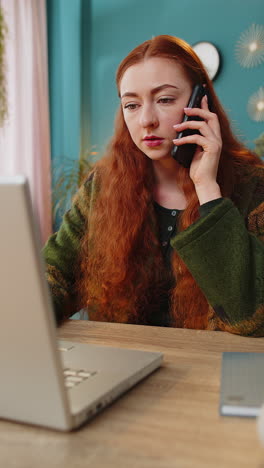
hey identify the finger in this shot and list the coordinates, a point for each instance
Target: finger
(200, 125)
(210, 146)
(205, 114)
(196, 139)
(204, 103)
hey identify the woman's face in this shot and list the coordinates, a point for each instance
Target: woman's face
(153, 95)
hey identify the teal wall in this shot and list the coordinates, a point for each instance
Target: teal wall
(64, 19)
(117, 26)
(69, 77)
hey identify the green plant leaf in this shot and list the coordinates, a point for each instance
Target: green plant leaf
(67, 179)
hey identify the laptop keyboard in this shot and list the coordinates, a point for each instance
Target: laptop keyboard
(75, 377)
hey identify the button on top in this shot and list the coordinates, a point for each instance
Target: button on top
(164, 243)
(170, 228)
(173, 213)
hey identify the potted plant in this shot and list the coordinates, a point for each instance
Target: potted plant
(66, 180)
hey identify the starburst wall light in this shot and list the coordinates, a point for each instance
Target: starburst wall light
(249, 50)
(256, 105)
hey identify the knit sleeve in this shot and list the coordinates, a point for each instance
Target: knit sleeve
(226, 258)
(61, 254)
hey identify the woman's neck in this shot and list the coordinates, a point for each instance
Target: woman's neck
(167, 191)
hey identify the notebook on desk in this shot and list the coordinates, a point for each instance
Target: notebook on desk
(242, 384)
(45, 382)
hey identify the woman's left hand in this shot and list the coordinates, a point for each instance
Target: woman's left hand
(204, 166)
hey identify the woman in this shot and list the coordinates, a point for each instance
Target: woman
(148, 241)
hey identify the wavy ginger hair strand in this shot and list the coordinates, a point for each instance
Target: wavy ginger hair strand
(122, 239)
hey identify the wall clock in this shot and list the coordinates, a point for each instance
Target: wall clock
(209, 55)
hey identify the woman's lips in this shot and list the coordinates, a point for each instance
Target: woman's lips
(154, 141)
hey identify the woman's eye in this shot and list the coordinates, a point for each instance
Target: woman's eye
(130, 106)
(166, 100)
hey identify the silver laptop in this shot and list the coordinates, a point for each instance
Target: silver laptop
(242, 384)
(54, 384)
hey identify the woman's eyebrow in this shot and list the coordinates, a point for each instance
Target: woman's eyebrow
(153, 91)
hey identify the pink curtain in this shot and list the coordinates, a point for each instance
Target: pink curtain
(25, 139)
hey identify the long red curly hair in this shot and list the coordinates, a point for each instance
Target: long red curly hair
(123, 273)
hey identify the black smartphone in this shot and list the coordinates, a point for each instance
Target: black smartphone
(184, 154)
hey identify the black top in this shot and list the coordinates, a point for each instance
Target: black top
(167, 220)
(167, 223)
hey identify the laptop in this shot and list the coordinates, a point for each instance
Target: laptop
(45, 382)
(242, 384)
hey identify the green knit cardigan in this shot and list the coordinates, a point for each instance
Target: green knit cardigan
(223, 250)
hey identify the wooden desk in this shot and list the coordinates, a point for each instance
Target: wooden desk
(169, 420)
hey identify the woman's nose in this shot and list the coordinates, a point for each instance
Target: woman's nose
(148, 117)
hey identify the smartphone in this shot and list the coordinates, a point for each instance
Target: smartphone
(184, 154)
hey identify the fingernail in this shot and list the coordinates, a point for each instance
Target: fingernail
(176, 125)
(186, 108)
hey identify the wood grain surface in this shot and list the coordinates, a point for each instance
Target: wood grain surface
(170, 419)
